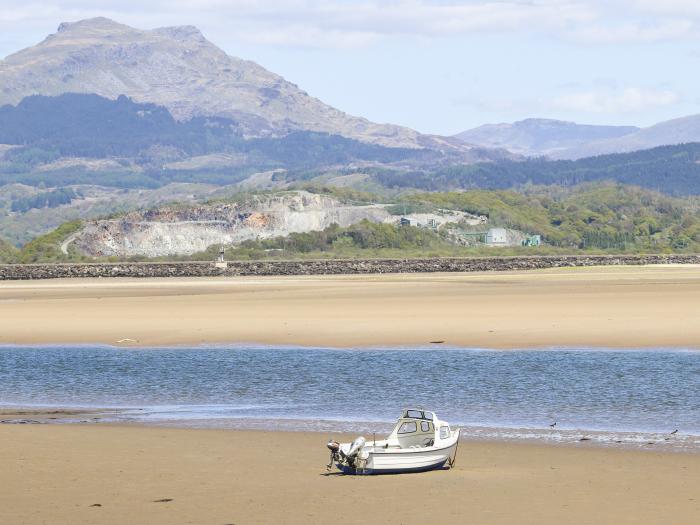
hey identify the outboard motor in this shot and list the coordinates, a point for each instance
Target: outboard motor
(351, 455)
(356, 447)
(345, 458)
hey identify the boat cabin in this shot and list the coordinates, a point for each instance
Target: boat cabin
(417, 428)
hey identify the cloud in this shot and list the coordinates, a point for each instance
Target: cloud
(636, 32)
(321, 23)
(681, 8)
(361, 23)
(629, 100)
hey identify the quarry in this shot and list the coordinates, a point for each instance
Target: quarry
(185, 230)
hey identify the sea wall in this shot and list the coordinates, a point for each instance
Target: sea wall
(328, 267)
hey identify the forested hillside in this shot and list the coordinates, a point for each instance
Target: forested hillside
(605, 216)
(145, 137)
(8, 253)
(670, 169)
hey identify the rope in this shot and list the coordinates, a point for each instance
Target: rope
(453, 460)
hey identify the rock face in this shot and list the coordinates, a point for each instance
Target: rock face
(541, 137)
(187, 230)
(178, 68)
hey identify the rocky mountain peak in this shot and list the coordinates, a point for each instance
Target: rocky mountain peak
(93, 25)
(176, 67)
(181, 33)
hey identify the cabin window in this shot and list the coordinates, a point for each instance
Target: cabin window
(414, 413)
(425, 426)
(444, 432)
(407, 427)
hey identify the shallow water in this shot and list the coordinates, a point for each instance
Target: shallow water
(607, 396)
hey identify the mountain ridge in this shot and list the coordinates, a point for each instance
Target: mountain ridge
(562, 140)
(178, 68)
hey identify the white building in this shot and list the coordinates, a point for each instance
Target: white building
(497, 237)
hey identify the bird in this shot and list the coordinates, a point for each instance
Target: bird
(674, 432)
(553, 425)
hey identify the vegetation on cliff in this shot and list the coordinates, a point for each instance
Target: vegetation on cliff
(8, 253)
(365, 239)
(47, 248)
(601, 216)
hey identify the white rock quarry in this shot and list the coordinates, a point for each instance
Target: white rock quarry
(184, 231)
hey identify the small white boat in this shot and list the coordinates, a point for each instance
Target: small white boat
(418, 443)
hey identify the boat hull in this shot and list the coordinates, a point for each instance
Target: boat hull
(404, 461)
(398, 470)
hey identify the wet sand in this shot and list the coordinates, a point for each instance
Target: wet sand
(85, 474)
(650, 306)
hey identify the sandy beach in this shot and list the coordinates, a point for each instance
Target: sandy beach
(605, 306)
(71, 474)
(108, 474)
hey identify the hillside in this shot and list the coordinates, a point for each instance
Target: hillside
(541, 137)
(591, 216)
(67, 132)
(8, 253)
(601, 217)
(674, 170)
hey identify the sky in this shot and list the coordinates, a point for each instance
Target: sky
(437, 66)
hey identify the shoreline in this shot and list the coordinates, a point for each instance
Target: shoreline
(603, 307)
(634, 440)
(257, 346)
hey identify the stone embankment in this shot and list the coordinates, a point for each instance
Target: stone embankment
(328, 267)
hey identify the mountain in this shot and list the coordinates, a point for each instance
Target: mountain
(569, 141)
(541, 137)
(180, 70)
(677, 131)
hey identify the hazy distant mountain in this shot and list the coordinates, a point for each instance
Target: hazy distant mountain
(678, 131)
(538, 137)
(177, 68)
(566, 140)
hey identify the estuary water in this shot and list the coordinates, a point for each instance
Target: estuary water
(611, 396)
